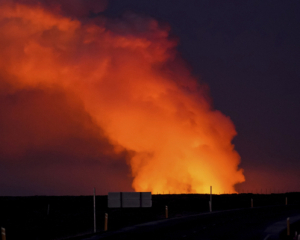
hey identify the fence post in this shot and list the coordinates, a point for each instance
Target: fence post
(286, 201)
(251, 202)
(48, 210)
(210, 204)
(167, 212)
(3, 234)
(105, 221)
(94, 200)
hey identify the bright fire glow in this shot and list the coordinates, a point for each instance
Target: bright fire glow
(130, 80)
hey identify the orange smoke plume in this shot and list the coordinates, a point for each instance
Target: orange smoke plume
(129, 79)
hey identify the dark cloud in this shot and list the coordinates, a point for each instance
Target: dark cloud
(49, 145)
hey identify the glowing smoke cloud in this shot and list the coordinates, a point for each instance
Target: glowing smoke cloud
(131, 82)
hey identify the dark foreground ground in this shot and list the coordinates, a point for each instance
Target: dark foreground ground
(259, 223)
(28, 218)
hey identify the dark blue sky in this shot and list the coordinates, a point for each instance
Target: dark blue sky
(248, 52)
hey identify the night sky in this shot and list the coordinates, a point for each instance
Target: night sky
(248, 54)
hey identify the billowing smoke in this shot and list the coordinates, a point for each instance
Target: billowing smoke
(112, 91)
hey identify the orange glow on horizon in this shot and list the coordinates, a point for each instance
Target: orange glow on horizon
(134, 87)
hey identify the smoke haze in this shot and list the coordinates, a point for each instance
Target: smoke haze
(104, 102)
